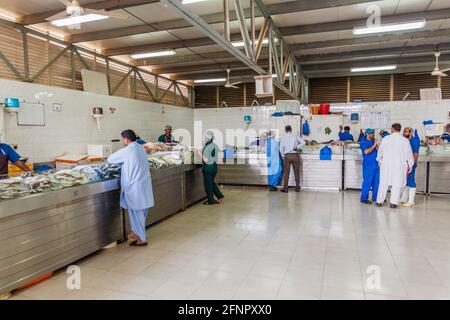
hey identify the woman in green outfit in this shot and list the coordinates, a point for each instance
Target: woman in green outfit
(209, 169)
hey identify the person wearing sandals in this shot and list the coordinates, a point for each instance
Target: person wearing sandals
(209, 156)
(136, 194)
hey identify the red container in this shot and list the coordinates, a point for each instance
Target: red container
(324, 109)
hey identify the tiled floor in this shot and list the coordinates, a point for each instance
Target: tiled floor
(268, 245)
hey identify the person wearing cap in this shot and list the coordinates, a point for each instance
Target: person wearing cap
(167, 137)
(396, 161)
(136, 194)
(409, 192)
(210, 154)
(346, 135)
(371, 171)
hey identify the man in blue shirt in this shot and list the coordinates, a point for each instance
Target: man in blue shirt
(345, 136)
(7, 153)
(409, 192)
(371, 170)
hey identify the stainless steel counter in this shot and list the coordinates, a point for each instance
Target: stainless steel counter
(44, 232)
(439, 174)
(243, 171)
(193, 186)
(314, 173)
(319, 174)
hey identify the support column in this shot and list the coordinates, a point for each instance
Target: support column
(348, 89)
(25, 54)
(391, 88)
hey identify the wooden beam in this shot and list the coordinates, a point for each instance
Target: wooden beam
(10, 66)
(82, 60)
(101, 5)
(165, 92)
(48, 65)
(198, 42)
(121, 81)
(204, 67)
(262, 35)
(146, 86)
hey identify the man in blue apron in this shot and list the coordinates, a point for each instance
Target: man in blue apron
(7, 153)
(371, 171)
(409, 192)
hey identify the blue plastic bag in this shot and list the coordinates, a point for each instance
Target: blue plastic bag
(325, 153)
(306, 129)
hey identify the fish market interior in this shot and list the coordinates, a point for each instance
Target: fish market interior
(224, 150)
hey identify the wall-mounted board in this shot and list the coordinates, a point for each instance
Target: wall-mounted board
(31, 114)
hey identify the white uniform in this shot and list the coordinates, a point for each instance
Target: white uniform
(136, 185)
(395, 157)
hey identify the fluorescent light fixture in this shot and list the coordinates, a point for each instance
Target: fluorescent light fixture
(191, 1)
(210, 80)
(78, 19)
(402, 26)
(379, 68)
(287, 75)
(153, 54)
(239, 44)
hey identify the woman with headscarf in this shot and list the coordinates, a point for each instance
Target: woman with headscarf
(209, 156)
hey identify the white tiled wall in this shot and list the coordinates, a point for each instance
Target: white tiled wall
(69, 131)
(222, 119)
(408, 113)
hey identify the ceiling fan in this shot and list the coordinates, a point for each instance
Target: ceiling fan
(73, 8)
(228, 84)
(437, 72)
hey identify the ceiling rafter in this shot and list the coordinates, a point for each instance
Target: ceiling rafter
(273, 9)
(286, 31)
(315, 59)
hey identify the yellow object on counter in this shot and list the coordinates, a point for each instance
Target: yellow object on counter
(14, 171)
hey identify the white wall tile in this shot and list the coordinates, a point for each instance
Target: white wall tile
(70, 130)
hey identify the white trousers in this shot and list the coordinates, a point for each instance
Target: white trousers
(396, 193)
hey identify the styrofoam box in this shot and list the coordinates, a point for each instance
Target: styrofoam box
(100, 150)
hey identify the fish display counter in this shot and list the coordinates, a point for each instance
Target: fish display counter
(439, 169)
(244, 168)
(353, 168)
(50, 220)
(320, 174)
(45, 230)
(249, 167)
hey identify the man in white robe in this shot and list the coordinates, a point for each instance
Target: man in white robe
(396, 161)
(136, 193)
